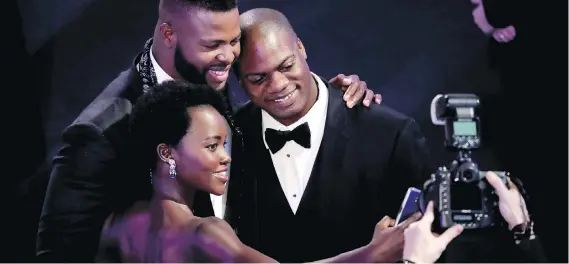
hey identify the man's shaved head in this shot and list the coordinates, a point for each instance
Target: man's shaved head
(265, 21)
(264, 24)
(273, 68)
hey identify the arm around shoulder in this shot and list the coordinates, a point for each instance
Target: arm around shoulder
(76, 202)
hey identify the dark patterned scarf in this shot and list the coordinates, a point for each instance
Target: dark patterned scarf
(145, 68)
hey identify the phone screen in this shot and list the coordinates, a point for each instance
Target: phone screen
(409, 205)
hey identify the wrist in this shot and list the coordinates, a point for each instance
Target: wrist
(369, 254)
(517, 219)
(373, 253)
(517, 222)
(523, 231)
(410, 258)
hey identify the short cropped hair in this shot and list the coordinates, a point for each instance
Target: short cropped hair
(209, 5)
(161, 116)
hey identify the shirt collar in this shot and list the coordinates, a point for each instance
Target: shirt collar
(161, 75)
(312, 117)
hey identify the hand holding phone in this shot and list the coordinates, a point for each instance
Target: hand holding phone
(409, 205)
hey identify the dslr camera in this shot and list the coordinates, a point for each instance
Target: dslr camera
(460, 192)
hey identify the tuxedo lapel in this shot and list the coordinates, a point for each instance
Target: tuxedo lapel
(326, 178)
(134, 83)
(260, 158)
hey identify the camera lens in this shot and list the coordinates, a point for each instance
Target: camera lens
(468, 175)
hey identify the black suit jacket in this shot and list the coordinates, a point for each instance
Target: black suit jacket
(84, 174)
(367, 160)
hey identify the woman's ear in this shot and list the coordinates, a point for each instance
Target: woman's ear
(164, 152)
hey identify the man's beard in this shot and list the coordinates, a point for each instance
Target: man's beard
(186, 70)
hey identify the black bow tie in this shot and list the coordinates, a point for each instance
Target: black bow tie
(277, 139)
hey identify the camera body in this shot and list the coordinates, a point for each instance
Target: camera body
(461, 195)
(460, 192)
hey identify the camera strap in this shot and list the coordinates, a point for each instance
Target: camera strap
(520, 186)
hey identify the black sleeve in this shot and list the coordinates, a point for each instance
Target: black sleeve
(77, 198)
(410, 164)
(532, 251)
(412, 157)
(503, 13)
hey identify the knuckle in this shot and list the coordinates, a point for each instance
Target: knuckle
(401, 228)
(411, 227)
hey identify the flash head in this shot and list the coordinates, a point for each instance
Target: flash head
(457, 112)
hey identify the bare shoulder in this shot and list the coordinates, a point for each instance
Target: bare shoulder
(213, 225)
(215, 238)
(127, 233)
(137, 216)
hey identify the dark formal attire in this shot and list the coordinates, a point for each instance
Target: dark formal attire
(78, 198)
(92, 175)
(366, 160)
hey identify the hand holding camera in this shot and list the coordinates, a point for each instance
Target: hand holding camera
(423, 246)
(510, 202)
(462, 193)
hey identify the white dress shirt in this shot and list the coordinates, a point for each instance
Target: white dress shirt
(293, 163)
(218, 202)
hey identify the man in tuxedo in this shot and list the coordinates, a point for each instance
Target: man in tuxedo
(313, 177)
(194, 40)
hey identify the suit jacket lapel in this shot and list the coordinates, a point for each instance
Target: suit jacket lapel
(326, 176)
(259, 168)
(261, 162)
(134, 88)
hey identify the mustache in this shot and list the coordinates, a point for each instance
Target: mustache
(219, 66)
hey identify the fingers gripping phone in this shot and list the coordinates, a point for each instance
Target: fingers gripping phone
(409, 205)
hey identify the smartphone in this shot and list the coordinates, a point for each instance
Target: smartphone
(409, 205)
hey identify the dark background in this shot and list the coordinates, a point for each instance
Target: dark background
(62, 53)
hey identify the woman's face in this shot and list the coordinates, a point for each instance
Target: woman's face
(201, 159)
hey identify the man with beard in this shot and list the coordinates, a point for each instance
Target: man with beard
(194, 40)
